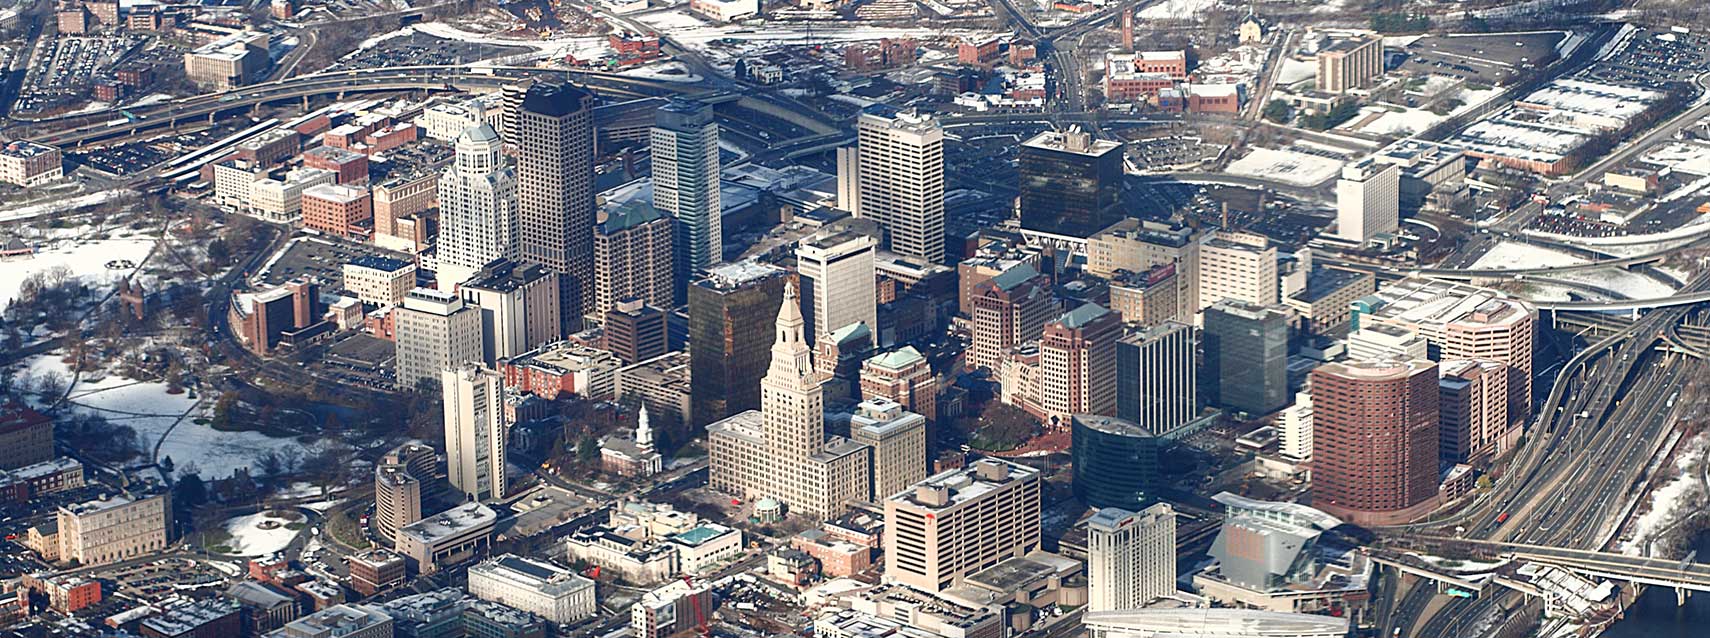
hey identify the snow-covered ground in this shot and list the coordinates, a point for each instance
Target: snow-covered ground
(94, 262)
(1414, 120)
(1631, 284)
(166, 419)
(1177, 9)
(667, 71)
(1300, 169)
(1512, 254)
(1683, 492)
(57, 205)
(261, 534)
(1296, 70)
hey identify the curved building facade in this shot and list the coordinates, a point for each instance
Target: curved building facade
(1115, 462)
(405, 477)
(1375, 440)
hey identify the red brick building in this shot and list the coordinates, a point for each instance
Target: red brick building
(981, 53)
(338, 209)
(26, 437)
(1375, 440)
(351, 166)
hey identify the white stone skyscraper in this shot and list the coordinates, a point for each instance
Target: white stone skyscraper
(838, 281)
(477, 208)
(684, 144)
(782, 450)
(900, 179)
(475, 430)
(1131, 557)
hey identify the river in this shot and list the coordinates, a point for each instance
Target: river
(1656, 616)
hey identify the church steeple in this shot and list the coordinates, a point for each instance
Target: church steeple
(643, 431)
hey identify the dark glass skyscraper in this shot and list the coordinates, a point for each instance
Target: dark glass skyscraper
(1246, 357)
(1071, 184)
(1115, 462)
(731, 316)
(1155, 384)
(553, 131)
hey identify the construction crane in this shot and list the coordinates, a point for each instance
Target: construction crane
(695, 601)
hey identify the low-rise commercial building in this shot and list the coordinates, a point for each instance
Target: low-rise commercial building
(537, 587)
(114, 528)
(448, 537)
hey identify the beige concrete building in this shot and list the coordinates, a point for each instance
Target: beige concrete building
(838, 281)
(960, 522)
(1349, 64)
(1368, 200)
(475, 431)
(1240, 266)
(25, 163)
(1134, 246)
(905, 377)
(518, 305)
(900, 180)
(782, 450)
(540, 588)
(228, 62)
(897, 438)
(446, 538)
(114, 528)
(1131, 557)
(632, 257)
(381, 281)
(434, 331)
(662, 384)
(281, 200)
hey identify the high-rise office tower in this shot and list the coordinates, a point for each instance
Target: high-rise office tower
(1239, 266)
(1131, 557)
(553, 127)
(1375, 440)
(477, 208)
(1009, 309)
(959, 522)
(1077, 362)
(1156, 387)
(1368, 200)
(1246, 357)
(1500, 330)
(786, 455)
(632, 257)
(475, 430)
(1115, 461)
(1071, 184)
(838, 282)
(1296, 442)
(518, 304)
(1472, 407)
(730, 337)
(897, 438)
(433, 331)
(900, 155)
(684, 144)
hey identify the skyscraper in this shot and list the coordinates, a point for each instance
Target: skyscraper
(635, 332)
(475, 430)
(1156, 387)
(1375, 440)
(1240, 266)
(433, 331)
(1131, 557)
(632, 257)
(904, 376)
(477, 208)
(1368, 200)
(518, 304)
(684, 144)
(553, 127)
(1246, 357)
(1070, 184)
(1077, 361)
(838, 282)
(784, 453)
(897, 439)
(730, 337)
(1008, 310)
(900, 181)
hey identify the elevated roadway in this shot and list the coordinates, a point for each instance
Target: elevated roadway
(93, 127)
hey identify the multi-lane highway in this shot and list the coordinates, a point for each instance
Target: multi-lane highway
(1597, 431)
